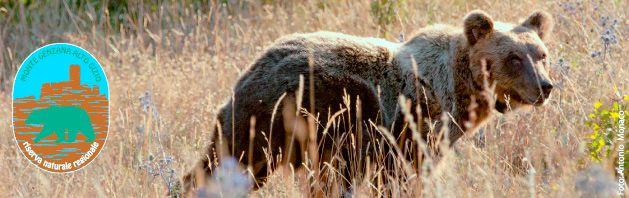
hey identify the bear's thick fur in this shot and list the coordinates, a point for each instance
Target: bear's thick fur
(453, 68)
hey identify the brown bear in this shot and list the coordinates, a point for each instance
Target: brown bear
(442, 69)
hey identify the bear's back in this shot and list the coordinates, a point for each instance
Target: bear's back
(329, 49)
(65, 112)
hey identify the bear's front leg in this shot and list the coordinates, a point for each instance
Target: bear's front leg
(61, 134)
(45, 132)
(71, 135)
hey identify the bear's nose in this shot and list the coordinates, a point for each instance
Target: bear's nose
(546, 87)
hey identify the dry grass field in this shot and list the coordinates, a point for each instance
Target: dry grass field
(171, 64)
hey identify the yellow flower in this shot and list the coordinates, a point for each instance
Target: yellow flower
(598, 104)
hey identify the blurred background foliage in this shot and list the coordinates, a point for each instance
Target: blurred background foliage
(26, 25)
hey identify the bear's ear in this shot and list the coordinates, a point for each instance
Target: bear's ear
(477, 25)
(540, 21)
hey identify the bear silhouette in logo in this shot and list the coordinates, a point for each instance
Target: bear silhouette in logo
(58, 119)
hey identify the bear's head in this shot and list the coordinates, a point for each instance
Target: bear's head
(35, 117)
(514, 56)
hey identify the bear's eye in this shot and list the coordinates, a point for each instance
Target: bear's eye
(516, 62)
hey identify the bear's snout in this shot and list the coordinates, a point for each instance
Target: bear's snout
(546, 88)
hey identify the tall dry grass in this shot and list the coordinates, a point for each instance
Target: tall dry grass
(171, 64)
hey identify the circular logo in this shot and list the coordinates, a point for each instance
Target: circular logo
(60, 108)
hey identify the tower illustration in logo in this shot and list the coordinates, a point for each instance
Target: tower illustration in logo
(60, 122)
